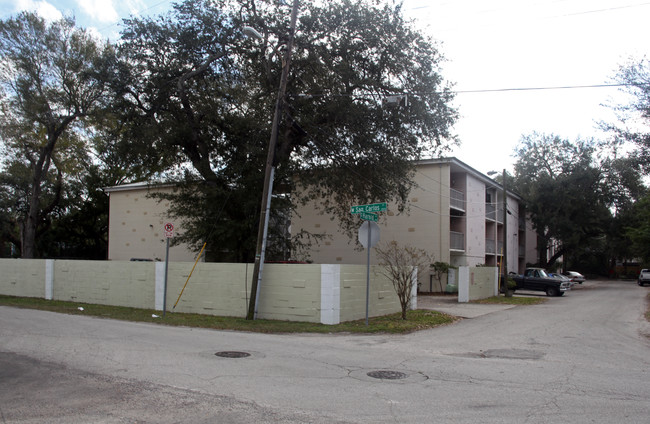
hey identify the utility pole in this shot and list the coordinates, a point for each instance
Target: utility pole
(506, 291)
(270, 170)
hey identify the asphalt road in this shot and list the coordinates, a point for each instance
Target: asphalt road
(581, 358)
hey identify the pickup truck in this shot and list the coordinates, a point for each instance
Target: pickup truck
(644, 277)
(538, 279)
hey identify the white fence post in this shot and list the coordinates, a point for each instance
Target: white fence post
(49, 279)
(330, 294)
(414, 289)
(463, 284)
(160, 285)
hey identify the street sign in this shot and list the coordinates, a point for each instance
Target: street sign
(368, 234)
(369, 216)
(375, 207)
(169, 230)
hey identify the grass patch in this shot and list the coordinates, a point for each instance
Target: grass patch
(519, 300)
(416, 320)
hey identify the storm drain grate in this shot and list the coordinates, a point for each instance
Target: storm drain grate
(387, 375)
(232, 354)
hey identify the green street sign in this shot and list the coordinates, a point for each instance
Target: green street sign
(375, 207)
(369, 216)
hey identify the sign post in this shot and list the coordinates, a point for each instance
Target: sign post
(368, 235)
(169, 233)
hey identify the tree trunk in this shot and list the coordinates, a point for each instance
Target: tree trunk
(29, 231)
(556, 256)
(41, 167)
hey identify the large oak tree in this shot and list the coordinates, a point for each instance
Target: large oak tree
(573, 194)
(365, 97)
(53, 76)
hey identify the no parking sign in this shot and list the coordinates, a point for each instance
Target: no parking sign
(169, 230)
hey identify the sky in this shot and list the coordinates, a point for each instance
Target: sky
(505, 58)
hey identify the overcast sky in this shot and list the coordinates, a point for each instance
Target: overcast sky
(504, 56)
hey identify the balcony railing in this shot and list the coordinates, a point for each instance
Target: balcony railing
(490, 211)
(457, 199)
(490, 247)
(494, 212)
(456, 241)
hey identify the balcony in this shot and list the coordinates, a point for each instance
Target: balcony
(456, 241)
(490, 247)
(457, 199)
(494, 212)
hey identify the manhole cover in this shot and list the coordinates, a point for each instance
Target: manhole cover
(232, 354)
(387, 375)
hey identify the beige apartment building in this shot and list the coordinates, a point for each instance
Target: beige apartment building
(455, 213)
(136, 225)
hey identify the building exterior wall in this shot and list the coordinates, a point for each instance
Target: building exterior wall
(532, 254)
(512, 237)
(425, 226)
(136, 225)
(476, 226)
(429, 220)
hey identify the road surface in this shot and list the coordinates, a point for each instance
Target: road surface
(581, 358)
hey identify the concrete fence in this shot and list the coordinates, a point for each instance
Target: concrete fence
(327, 294)
(477, 283)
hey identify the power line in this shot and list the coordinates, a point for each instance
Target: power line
(559, 87)
(560, 15)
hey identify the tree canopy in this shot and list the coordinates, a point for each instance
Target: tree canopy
(572, 195)
(195, 95)
(634, 117)
(52, 76)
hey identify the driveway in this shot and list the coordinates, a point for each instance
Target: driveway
(449, 305)
(581, 358)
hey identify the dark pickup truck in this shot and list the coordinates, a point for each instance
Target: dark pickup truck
(537, 279)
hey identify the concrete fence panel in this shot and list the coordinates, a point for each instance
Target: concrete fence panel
(382, 299)
(118, 283)
(329, 294)
(291, 290)
(213, 289)
(21, 277)
(476, 283)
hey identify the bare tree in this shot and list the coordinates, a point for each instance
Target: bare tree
(399, 263)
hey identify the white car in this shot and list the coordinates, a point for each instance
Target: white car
(576, 277)
(644, 277)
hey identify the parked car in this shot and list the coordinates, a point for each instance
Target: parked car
(538, 279)
(575, 276)
(644, 277)
(562, 278)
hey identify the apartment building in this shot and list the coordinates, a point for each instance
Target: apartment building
(136, 225)
(455, 213)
